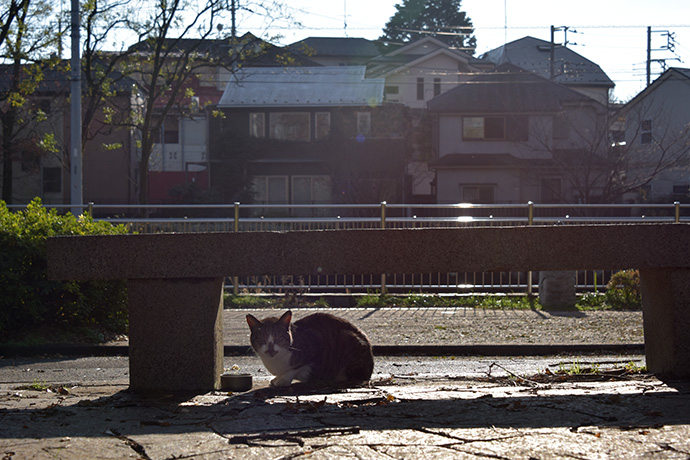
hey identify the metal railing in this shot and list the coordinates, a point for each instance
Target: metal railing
(239, 217)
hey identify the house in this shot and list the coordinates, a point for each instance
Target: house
(303, 135)
(567, 67)
(178, 169)
(37, 154)
(653, 140)
(511, 136)
(415, 73)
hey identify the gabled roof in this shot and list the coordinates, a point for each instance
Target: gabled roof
(302, 86)
(534, 55)
(413, 54)
(507, 89)
(359, 49)
(673, 72)
(254, 51)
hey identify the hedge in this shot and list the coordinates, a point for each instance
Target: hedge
(29, 300)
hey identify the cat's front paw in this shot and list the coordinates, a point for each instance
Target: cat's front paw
(281, 381)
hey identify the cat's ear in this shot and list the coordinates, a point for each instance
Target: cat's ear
(285, 319)
(253, 322)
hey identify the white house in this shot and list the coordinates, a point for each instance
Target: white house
(654, 141)
(511, 136)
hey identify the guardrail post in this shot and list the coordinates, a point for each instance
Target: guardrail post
(236, 228)
(530, 221)
(676, 204)
(383, 226)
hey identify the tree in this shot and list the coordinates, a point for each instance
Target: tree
(441, 19)
(29, 40)
(601, 162)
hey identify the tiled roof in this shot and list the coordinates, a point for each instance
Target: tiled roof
(506, 90)
(335, 46)
(534, 55)
(302, 86)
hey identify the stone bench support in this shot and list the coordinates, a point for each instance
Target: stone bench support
(175, 281)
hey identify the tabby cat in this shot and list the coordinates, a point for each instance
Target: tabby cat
(319, 348)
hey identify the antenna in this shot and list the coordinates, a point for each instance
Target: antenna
(345, 17)
(505, 22)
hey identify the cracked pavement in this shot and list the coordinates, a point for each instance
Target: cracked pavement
(415, 408)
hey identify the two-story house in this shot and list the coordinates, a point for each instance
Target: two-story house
(554, 62)
(37, 152)
(415, 73)
(653, 141)
(305, 135)
(510, 136)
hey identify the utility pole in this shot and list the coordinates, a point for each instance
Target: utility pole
(76, 177)
(233, 28)
(649, 55)
(552, 58)
(669, 46)
(553, 54)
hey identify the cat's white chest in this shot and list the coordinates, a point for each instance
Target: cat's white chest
(278, 364)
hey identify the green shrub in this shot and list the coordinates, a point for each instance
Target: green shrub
(29, 300)
(623, 291)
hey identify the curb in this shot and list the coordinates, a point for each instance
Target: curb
(379, 350)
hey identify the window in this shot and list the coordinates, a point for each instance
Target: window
(323, 125)
(391, 92)
(682, 190)
(257, 124)
(477, 194)
(171, 131)
(52, 180)
(561, 127)
(290, 126)
(270, 189)
(478, 128)
(363, 123)
(437, 86)
(646, 132)
(420, 89)
(311, 189)
(194, 131)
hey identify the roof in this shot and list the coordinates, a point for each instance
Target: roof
(534, 55)
(249, 49)
(507, 90)
(335, 46)
(673, 72)
(412, 54)
(302, 86)
(492, 160)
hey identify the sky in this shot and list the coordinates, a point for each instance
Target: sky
(610, 33)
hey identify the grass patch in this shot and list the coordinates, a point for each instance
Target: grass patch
(585, 302)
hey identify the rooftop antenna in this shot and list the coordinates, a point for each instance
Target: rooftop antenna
(505, 22)
(345, 17)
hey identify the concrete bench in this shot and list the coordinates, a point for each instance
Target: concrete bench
(175, 281)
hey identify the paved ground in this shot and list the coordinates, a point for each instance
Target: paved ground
(416, 407)
(468, 326)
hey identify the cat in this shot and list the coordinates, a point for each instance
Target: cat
(319, 348)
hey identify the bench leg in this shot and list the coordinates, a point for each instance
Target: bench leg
(666, 314)
(175, 334)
